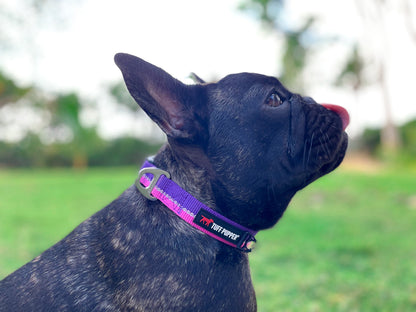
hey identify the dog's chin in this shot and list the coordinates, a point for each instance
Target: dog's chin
(336, 160)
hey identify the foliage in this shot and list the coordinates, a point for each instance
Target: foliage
(296, 54)
(267, 11)
(66, 111)
(346, 242)
(28, 152)
(64, 140)
(121, 95)
(31, 152)
(352, 72)
(123, 151)
(371, 139)
(371, 142)
(10, 91)
(408, 134)
(296, 47)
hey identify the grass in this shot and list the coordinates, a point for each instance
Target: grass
(39, 207)
(346, 243)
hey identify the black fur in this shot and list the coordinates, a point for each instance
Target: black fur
(229, 148)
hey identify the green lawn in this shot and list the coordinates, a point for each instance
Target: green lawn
(346, 243)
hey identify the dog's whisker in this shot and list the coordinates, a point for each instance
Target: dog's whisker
(305, 146)
(310, 148)
(324, 143)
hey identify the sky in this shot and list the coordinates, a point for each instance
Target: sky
(213, 39)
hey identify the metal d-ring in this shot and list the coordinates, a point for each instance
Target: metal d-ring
(147, 191)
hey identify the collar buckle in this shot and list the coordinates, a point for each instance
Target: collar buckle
(146, 191)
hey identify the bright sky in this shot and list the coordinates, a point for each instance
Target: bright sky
(212, 38)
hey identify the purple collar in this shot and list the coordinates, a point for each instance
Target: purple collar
(154, 184)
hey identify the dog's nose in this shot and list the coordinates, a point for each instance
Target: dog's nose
(342, 113)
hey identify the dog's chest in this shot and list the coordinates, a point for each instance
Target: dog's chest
(213, 287)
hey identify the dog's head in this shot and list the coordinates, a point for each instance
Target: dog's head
(259, 142)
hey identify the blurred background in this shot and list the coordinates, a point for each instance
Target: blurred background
(62, 96)
(63, 105)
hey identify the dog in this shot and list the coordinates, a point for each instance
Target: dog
(239, 149)
(204, 220)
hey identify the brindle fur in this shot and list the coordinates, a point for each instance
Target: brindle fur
(226, 147)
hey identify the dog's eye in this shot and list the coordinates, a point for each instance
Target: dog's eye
(274, 100)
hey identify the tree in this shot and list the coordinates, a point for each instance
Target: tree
(119, 93)
(20, 23)
(409, 19)
(10, 92)
(66, 111)
(365, 64)
(374, 14)
(296, 48)
(352, 72)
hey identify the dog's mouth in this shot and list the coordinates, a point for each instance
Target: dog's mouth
(343, 141)
(341, 112)
(326, 141)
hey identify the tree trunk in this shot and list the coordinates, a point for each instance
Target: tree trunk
(390, 138)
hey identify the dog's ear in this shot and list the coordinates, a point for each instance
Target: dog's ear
(170, 103)
(195, 78)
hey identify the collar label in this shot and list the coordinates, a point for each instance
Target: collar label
(218, 227)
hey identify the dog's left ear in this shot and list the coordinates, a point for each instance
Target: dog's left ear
(177, 108)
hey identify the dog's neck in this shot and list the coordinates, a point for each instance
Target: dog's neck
(155, 184)
(190, 169)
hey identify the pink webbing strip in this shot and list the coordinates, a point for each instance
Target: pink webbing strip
(184, 214)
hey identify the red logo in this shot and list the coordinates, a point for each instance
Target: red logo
(206, 221)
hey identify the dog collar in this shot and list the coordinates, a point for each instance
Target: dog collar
(155, 183)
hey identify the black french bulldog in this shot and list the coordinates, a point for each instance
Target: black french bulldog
(242, 146)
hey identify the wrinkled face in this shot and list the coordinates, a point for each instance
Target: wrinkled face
(265, 138)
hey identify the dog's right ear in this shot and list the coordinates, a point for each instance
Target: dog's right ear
(195, 78)
(174, 106)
